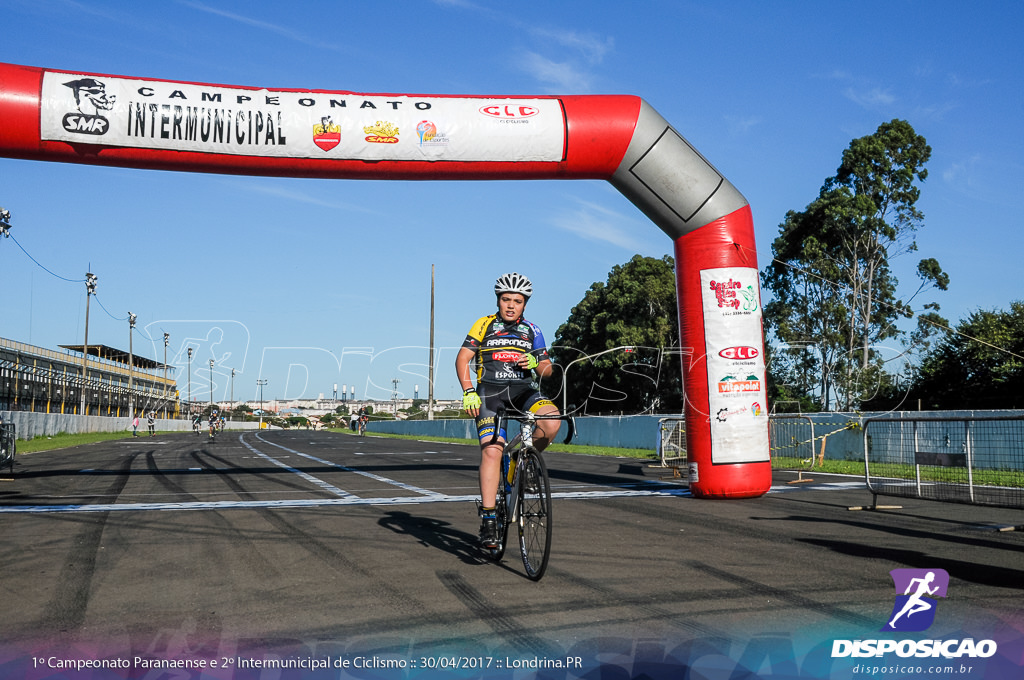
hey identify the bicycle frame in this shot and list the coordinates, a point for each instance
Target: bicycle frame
(517, 454)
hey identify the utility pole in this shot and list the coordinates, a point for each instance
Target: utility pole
(430, 360)
(90, 290)
(131, 363)
(261, 382)
(167, 337)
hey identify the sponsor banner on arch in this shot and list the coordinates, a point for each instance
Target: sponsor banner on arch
(149, 114)
(737, 393)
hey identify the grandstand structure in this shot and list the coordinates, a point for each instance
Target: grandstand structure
(107, 382)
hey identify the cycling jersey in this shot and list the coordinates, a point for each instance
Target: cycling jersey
(498, 346)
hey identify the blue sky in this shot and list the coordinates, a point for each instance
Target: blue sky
(311, 283)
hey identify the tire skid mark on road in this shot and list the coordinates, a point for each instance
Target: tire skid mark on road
(782, 594)
(496, 615)
(385, 480)
(607, 596)
(309, 502)
(308, 477)
(332, 554)
(253, 559)
(67, 608)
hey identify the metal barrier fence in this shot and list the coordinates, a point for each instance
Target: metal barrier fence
(672, 441)
(978, 460)
(792, 440)
(8, 445)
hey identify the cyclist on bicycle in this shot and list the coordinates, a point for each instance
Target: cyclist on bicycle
(506, 349)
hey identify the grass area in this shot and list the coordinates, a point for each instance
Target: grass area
(838, 467)
(1010, 478)
(64, 440)
(648, 454)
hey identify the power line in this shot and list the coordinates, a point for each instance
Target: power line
(40, 265)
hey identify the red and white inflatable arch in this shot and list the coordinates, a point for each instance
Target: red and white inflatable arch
(157, 124)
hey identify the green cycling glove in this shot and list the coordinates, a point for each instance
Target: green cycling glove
(470, 399)
(531, 362)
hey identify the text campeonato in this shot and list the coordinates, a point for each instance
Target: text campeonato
(275, 100)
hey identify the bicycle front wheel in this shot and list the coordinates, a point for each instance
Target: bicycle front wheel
(534, 513)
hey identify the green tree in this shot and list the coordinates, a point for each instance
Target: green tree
(980, 364)
(635, 308)
(835, 300)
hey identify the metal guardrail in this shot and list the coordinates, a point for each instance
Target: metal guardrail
(977, 460)
(791, 436)
(672, 441)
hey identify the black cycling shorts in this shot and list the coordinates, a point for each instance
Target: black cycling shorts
(512, 398)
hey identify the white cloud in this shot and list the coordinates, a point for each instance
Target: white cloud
(264, 25)
(596, 223)
(277, 191)
(742, 126)
(871, 98)
(962, 173)
(593, 47)
(562, 76)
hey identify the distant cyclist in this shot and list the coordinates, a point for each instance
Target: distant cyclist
(213, 424)
(506, 350)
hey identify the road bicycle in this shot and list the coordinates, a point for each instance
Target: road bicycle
(524, 494)
(8, 445)
(362, 426)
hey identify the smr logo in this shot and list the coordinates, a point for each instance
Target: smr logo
(915, 592)
(90, 98)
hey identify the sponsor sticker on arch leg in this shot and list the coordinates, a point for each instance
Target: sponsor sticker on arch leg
(737, 393)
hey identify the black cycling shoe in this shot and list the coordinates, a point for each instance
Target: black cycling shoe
(489, 532)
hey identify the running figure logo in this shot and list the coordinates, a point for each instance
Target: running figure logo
(915, 607)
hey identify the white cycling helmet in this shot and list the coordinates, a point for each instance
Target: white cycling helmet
(513, 283)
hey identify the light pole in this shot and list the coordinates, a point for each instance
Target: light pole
(190, 381)
(167, 337)
(90, 290)
(232, 388)
(394, 394)
(211, 385)
(261, 382)
(5, 223)
(131, 362)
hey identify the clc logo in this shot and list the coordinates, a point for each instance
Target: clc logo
(506, 111)
(739, 353)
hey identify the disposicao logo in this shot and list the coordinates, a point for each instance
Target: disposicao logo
(916, 590)
(914, 611)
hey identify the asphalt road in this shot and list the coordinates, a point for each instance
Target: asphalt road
(314, 545)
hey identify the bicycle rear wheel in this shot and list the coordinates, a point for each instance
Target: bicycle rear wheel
(534, 513)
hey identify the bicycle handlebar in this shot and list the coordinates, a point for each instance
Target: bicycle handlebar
(502, 416)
